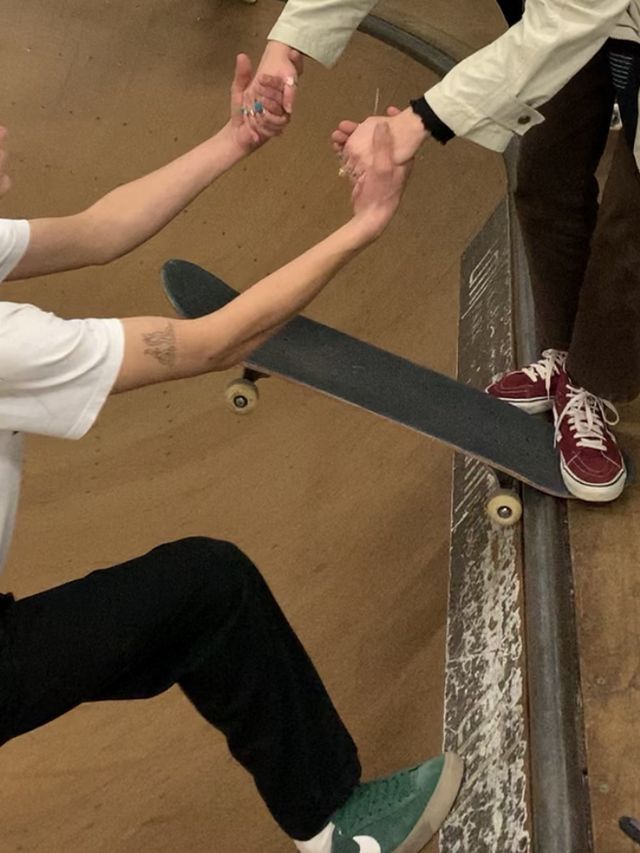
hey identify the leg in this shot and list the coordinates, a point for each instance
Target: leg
(196, 613)
(605, 350)
(557, 196)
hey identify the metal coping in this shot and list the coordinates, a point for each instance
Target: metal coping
(412, 45)
(561, 812)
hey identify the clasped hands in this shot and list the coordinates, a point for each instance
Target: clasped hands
(264, 105)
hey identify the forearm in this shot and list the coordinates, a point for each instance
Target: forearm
(131, 214)
(493, 94)
(320, 29)
(277, 298)
(158, 349)
(128, 215)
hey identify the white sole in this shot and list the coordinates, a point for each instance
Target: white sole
(531, 407)
(438, 807)
(589, 492)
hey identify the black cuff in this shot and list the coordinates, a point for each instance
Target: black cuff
(432, 123)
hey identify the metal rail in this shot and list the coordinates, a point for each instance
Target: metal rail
(561, 809)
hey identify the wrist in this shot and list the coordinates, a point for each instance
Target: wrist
(277, 48)
(228, 143)
(431, 121)
(413, 131)
(366, 226)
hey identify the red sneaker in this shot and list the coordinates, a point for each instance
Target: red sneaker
(591, 463)
(531, 388)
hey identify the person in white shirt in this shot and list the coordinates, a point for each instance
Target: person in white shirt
(554, 76)
(195, 612)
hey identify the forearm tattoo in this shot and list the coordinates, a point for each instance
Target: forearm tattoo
(161, 345)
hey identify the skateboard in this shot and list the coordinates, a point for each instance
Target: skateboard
(508, 441)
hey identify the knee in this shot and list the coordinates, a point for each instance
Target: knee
(213, 565)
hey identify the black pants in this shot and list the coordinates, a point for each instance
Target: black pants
(584, 256)
(195, 613)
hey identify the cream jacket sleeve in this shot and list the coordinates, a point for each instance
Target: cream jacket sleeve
(320, 28)
(494, 92)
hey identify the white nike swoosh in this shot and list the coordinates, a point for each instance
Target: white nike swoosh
(367, 844)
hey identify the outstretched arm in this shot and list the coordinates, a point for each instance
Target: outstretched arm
(493, 95)
(131, 214)
(158, 349)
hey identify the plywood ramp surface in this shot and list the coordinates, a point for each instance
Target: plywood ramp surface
(348, 517)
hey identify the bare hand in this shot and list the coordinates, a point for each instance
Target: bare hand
(354, 142)
(281, 62)
(377, 192)
(251, 136)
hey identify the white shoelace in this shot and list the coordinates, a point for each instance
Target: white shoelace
(548, 366)
(588, 417)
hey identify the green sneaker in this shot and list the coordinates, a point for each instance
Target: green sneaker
(401, 813)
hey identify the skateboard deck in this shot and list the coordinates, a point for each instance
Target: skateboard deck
(334, 363)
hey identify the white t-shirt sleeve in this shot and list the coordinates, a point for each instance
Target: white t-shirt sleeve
(55, 374)
(14, 240)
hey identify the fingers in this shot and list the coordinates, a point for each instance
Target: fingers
(264, 113)
(270, 106)
(393, 111)
(241, 80)
(269, 91)
(347, 127)
(338, 140)
(271, 82)
(341, 135)
(291, 81)
(289, 97)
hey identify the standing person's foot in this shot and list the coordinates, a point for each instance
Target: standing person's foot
(591, 463)
(531, 388)
(397, 814)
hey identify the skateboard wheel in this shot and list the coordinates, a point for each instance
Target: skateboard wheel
(504, 508)
(241, 396)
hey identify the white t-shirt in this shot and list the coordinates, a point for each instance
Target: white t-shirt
(55, 375)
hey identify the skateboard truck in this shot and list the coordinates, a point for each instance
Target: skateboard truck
(503, 506)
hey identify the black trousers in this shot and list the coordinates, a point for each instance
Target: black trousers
(196, 613)
(584, 255)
